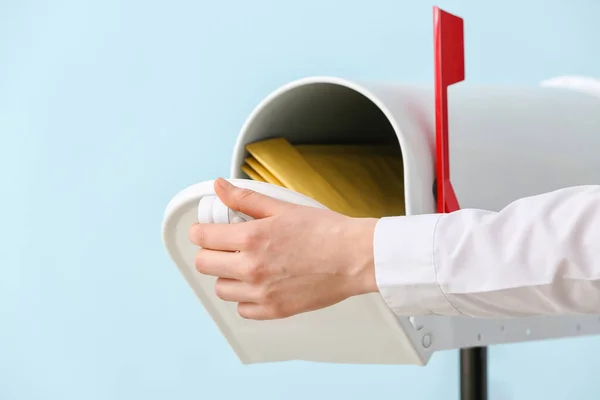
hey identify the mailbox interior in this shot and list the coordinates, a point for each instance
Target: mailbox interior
(318, 113)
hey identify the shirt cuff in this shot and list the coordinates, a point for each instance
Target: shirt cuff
(405, 266)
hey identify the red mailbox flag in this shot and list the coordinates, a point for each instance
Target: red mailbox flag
(449, 62)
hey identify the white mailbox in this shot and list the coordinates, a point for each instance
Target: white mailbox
(506, 143)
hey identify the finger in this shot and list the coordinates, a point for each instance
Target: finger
(260, 312)
(252, 311)
(227, 237)
(235, 291)
(223, 264)
(249, 202)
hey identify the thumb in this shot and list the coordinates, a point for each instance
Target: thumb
(249, 202)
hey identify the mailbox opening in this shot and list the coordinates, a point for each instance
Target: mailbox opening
(336, 131)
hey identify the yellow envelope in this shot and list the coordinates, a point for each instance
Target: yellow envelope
(262, 171)
(248, 170)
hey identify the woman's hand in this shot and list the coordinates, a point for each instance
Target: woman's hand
(290, 259)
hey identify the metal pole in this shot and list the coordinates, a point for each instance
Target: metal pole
(473, 373)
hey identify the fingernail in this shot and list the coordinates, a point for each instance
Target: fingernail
(223, 183)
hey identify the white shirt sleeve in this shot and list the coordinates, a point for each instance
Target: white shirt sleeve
(540, 255)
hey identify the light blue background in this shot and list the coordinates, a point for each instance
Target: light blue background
(108, 108)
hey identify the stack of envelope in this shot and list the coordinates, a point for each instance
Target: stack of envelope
(355, 180)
